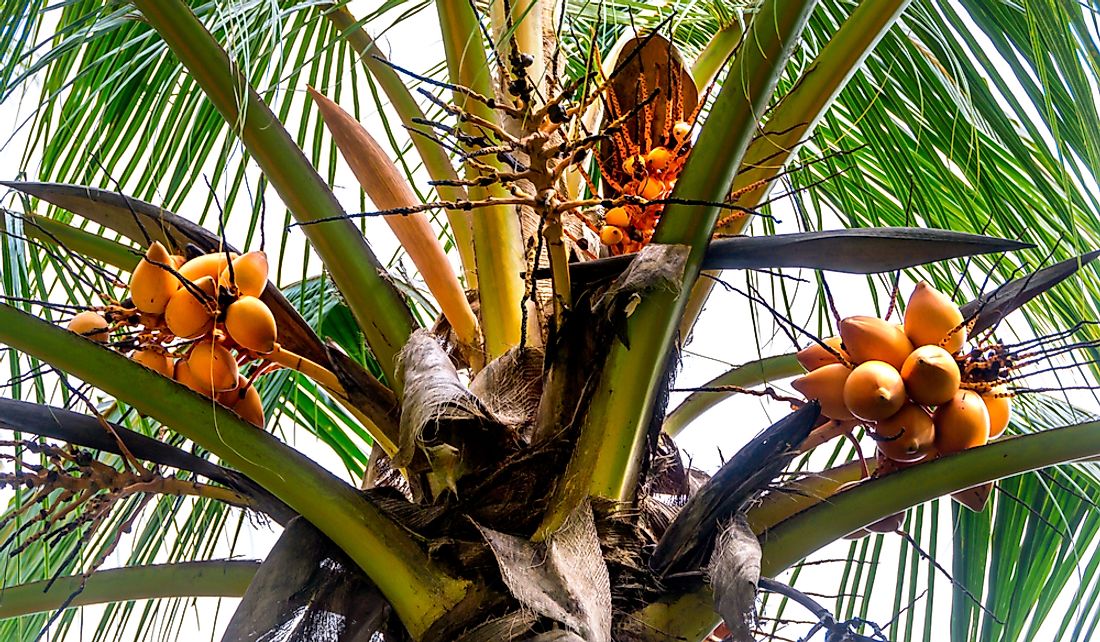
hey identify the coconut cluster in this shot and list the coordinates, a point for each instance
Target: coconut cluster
(652, 176)
(904, 382)
(196, 320)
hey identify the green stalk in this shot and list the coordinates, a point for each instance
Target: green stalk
(746, 375)
(401, 99)
(689, 616)
(94, 246)
(377, 305)
(418, 589)
(794, 119)
(498, 242)
(716, 53)
(605, 462)
(215, 578)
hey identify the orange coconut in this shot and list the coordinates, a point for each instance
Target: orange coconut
(874, 391)
(245, 401)
(961, 423)
(872, 339)
(999, 406)
(930, 318)
(188, 317)
(249, 274)
(907, 436)
(90, 325)
(213, 366)
(617, 216)
(154, 361)
(815, 356)
(931, 375)
(151, 286)
(251, 325)
(826, 384)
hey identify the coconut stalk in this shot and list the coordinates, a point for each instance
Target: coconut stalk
(433, 155)
(375, 302)
(606, 460)
(793, 120)
(388, 189)
(417, 588)
(498, 242)
(215, 578)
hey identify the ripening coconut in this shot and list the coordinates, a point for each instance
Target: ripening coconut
(182, 374)
(188, 317)
(874, 391)
(90, 325)
(245, 401)
(826, 384)
(931, 375)
(249, 274)
(999, 407)
(611, 235)
(154, 361)
(210, 265)
(251, 325)
(815, 356)
(930, 318)
(151, 286)
(888, 524)
(658, 159)
(213, 366)
(907, 436)
(961, 423)
(872, 339)
(651, 189)
(680, 131)
(617, 216)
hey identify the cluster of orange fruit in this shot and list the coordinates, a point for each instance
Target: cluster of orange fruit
(905, 381)
(212, 304)
(651, 176)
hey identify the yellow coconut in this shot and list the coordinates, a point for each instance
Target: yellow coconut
(213, 366)
(815, 356)
(151, 286)
(874, 391)
(658, 159)
(826, 384)
(617, 216)
(154, 361)
(680, 131)
(999, 407)
(931, 375)
(961, 423)
(930, 318)
(251, 325)
(90, 325)
(249, 274)
(633, 163)
(186, 316)
(651, 189)
(245, 401)
(907, 436)
(611, 235)
(182, 374)
(210, 265)
(872, 339)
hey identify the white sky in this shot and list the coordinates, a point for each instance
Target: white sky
(724, 336)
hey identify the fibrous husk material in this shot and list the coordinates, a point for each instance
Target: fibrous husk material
(734, 572)
(563, 579)
(657, 267)
(446, 432)
(510, 386)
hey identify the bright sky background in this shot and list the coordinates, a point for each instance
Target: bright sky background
(723, 337)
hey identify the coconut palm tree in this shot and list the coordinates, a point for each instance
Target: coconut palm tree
(507, 422)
